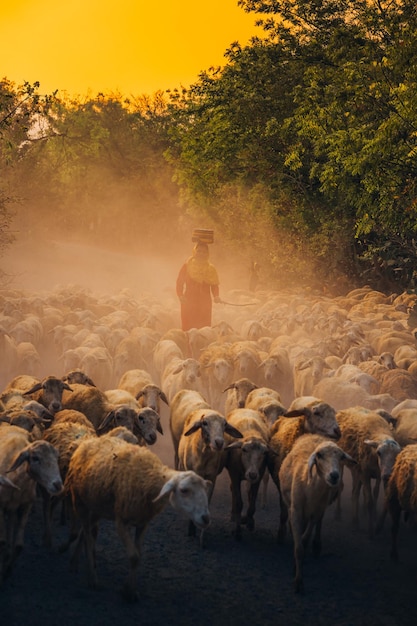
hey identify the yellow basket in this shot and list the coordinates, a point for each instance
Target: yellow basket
(203, 235)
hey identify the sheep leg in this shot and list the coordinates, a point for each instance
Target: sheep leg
(133, 549)
(283, 517)
(395, 511)
(237, 506)
(317, 538)
(90, 535)
(248, 519)
(3, 546)
(265, 481)
(19, 526)
(298, 551)
(356, 489)
(370, 505)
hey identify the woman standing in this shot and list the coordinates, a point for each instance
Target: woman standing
(197, 284)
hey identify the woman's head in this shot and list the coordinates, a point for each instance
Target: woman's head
(201, 250)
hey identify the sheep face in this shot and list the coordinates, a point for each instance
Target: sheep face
(222, 370)
(327, 459)
(387, 452)
(42, 465)
(213, 426)
(51, 393)
(252, 453)
(188, 493)
(321, 420)
(147, 424)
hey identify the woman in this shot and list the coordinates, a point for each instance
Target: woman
(197, 283)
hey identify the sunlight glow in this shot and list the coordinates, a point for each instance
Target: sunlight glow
(126, 46)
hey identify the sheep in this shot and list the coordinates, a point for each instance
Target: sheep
(97, 363)
(79, 377)
(47, 391)
(28, 420)
(183, 403)
(8, 350)
(246, 360)
(400, 384)
(405, 427)
(28, 358)
(140, 384)
(238, 391)
(310, 479)
(369, 439)
(401, 493)
(110, 478)
(65, 434)
(201, 445)
(278, 374)
(144, 423)
(28, 464)
(217, 373)
(307, 373)
(181, 374)
(342, 394)
(88, 400)
(134, 380)
(268, 402)
(246, 460)
(164, 351)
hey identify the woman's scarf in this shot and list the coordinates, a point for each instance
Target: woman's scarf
(201, 270)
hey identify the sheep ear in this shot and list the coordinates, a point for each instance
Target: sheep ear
(233, 432)
(23, 456)
(311, 463)
(67, 387)
(163, 397)
(33, 389)
(193, 428)
(5, 482)
(178, 369)
(234, 445)
(231, 386)
(159, 428)
(371, 443)
(294, 413)
(348, 459)
(109, 417)
(139, 394)
(166, 489)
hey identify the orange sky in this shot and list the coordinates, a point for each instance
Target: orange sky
(130, 46)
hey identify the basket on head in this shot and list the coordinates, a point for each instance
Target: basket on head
(203, 235)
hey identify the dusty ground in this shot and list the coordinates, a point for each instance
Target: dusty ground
(352, 583)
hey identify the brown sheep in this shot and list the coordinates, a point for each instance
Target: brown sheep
(238, 391)
(310, 479)
(109, 478)
(370, 440)
(246, 460)
(401, 493)
(27, 464)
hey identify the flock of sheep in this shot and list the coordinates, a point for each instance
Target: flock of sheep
(293, 387)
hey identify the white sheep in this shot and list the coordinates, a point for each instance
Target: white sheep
(310, 479)
(109, 478)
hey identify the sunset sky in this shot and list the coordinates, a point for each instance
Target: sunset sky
(130, 46)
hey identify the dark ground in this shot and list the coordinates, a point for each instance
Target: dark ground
(352, 583)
